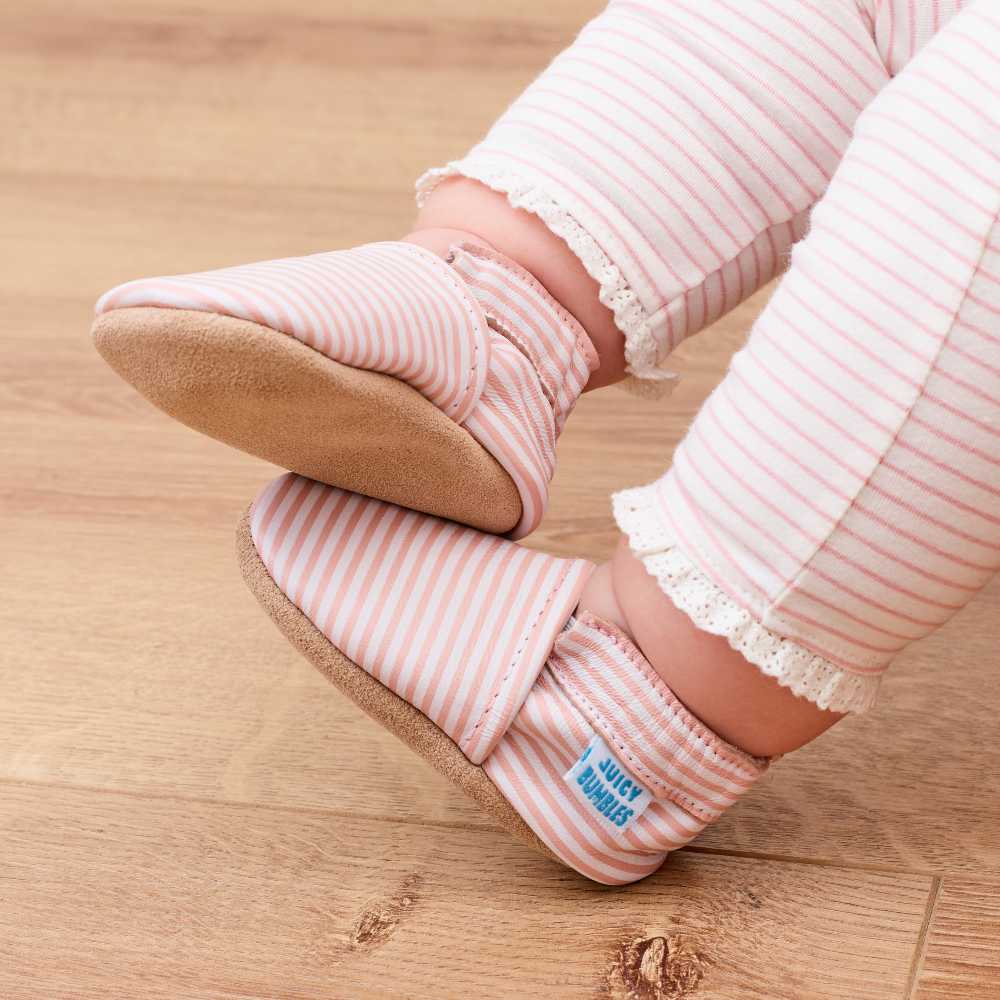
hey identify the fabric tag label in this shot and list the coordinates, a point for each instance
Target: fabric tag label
(606, 787)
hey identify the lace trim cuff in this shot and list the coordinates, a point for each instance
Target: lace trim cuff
(645, 378)
(793, 666)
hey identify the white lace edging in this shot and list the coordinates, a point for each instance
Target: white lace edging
(645, 377)
(793, 666)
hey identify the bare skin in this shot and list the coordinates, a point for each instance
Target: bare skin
(716, 683)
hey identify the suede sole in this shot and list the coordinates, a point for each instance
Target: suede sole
(269, 394)
(404, 721)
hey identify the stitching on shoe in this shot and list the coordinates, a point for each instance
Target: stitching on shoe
(472, 307)
(675, 710)
(580, 338)
(501, 330)
(712, 742)
(466, 739)
(669, 791)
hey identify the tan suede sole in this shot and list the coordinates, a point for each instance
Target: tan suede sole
(398, 716)
(272, 396)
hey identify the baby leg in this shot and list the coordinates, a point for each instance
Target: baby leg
(837, 496)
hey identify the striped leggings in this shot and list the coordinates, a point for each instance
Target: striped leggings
(838, 495)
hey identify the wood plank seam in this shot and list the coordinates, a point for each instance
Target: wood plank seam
(860, 866)
(920, 950)
(789, 859)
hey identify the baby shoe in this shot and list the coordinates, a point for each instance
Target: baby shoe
(469, 648)
(437, 384)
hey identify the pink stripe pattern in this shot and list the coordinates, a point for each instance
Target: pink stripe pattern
(388, 307)
(837, 496)
(902, 27)
(477, 632)
(612, 684)
(456, 621)
(679, 147)
(540, 362)
(523, 312)
(596, 681)
(477, 335)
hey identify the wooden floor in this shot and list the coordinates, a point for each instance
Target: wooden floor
(187, 810)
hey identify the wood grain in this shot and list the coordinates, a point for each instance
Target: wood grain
(962, 956)
(186, 809)
(227, 900)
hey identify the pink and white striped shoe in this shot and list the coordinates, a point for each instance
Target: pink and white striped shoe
(468, 647)
(439, 385)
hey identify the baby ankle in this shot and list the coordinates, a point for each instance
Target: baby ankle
(715, 683)
(599, 598)
(526, 239)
